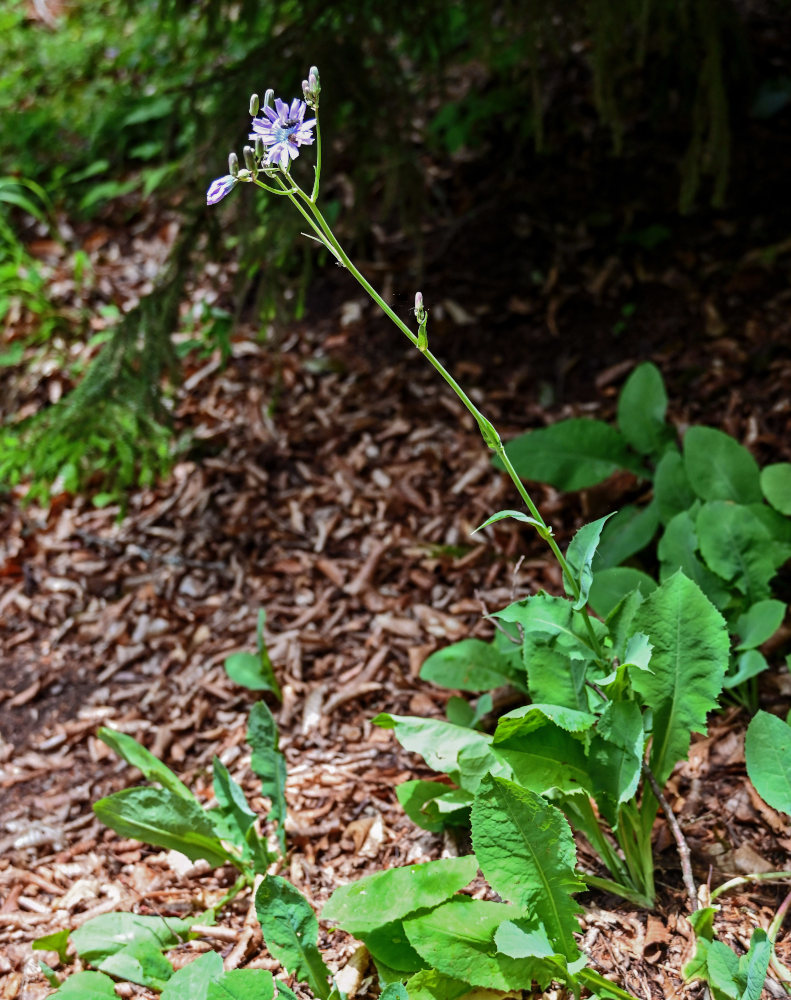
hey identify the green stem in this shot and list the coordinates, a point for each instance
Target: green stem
(734, 883)
(317, 169)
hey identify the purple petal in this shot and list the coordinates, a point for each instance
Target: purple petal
(220, 188)
(281, 107)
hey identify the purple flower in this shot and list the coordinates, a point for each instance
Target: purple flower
(220, 188)
(283, 131)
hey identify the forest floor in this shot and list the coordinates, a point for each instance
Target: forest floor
(334, 483)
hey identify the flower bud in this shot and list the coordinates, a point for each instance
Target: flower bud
(220, 188)
(311, 88)
(269, 97)
(249, 159)
(420, 309)
(253, 105)
(260, 149)
(233, 164)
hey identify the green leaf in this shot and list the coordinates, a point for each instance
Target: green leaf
(524, 938)
(759, 623)
(391, 895)
(547, 758)
(628, 532)
(579, 557)
(159, 817)
(736, 545)
(140, 962)
(748, 664)
(433, 985)
(754, 966)
(269, 764)
(767, 752)
(642, 406)
(414, 795)
(457, 939)
(394, 991)
(611, 585)
(526, 850)
(677, 548)
(242, 984)
(290, 930)
(152, 767)
(672, 492)
(719, 468)
(528, 718)
(437, 742)
(389, 945)
(688, 664)
(191, 982)
(87, 986)
(108, 933)
(58, 941)
(469, 665)
(246, 670)
(776, 486)
(234, 820)
(572, 454)
(517, 515)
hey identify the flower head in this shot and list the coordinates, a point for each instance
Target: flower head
(283, 131)
(220, 188)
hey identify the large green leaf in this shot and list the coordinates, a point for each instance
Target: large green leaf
(572, 454)
(418, 799)
(688, 664)
(191, 982)
(108, 933)
(759, 623)
(719, 468)
(767, 752)
(677, 549)
(627, 532)
(391, 895)
(291, 930)
(433, 985)
(269, 764)
(158, 816)
(547, 758)
(242, 984)
(526, 850)
(457, 939)
(87, 986)
(736, 545)
(437, 742)
(579, 557)
(528, 718)
(611, 585)
(776, 486)
(137, 755)
(140, 962)
(642, 406)
(389, 945)
(469, 665)
(672, 492)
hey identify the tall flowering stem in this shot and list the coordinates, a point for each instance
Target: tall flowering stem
(284, 130)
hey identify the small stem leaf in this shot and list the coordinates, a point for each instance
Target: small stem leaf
(391, 895)
(579, 557)
(517, 515)
(688, 664)
(290, 930)
(191, 982)
(526, 850)
(767, 753)
(153, 769)
(159, 817)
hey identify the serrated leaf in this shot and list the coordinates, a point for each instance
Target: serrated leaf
(457, 939)
(394, 894)
(87, 986)
(159, 817)
(528, 718)
(516, 515)
(572, 454)
(579, 557)
(526, 850)
(719, 468)
(290, 930)
(191, 982)
(242, 984)
(268, 764)
(110, 932)
(767, 753)
(688, 664)
(642, 406)
(469, 665)
(153, 769)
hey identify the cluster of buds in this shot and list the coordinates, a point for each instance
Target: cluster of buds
(311, 88)
(421, 315)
